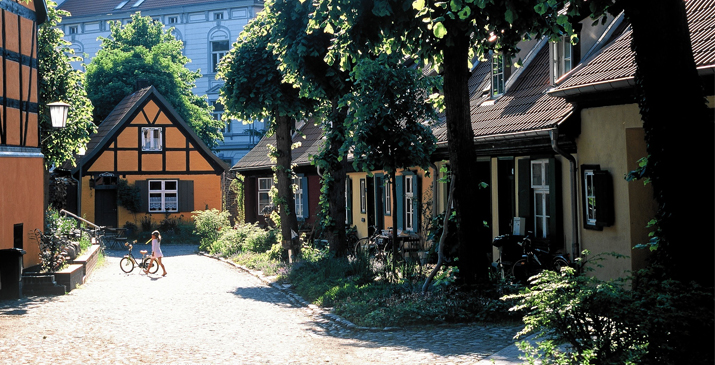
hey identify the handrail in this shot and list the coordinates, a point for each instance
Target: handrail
(62, 211)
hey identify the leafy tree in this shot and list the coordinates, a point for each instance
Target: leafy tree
(389, 119)
(60, 82)
(449, 34)
(254, 89)
(143, 50)
(302, 57)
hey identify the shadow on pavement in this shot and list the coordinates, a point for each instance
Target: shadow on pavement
(265, 294)
(18, 307)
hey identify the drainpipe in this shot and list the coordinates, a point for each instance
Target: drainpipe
(554, 135)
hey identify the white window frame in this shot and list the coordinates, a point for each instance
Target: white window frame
(163, 194)
(561, 58)
(218, 15)
(388, 198)
(73, 29)
(152, 138)
(217, 55)
(298, 196)
(590, 192)
(409, 200)
(264, 189)
(498, 75)
(540, 183)
(172, 20)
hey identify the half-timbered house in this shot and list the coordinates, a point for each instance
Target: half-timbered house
(146, 143)
(21, 162)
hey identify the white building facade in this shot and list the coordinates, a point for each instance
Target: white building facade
(208, 29)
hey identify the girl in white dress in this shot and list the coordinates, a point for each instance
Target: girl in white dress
(156, 252)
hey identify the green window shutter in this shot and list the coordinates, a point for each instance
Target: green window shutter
(143, 186)
(556, 215)
(525, 195)
(304, 188)
(399, 180)
(349, 207)
(186, 195)
(603, 186)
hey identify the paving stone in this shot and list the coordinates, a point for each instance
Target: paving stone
(208, 312)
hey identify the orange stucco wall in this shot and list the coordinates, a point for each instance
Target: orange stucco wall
(21, 202)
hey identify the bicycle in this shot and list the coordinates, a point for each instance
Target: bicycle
(534, 260)
(377, 245)
(128, 262)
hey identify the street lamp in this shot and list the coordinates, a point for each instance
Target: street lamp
(58, 113)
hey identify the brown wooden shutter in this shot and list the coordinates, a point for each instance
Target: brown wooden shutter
(186, 195)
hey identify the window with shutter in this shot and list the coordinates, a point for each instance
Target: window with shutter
(597, 197)
(539, 196)
(163, 196)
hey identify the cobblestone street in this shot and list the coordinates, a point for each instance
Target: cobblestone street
(208, 312)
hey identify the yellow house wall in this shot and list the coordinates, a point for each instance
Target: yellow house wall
(612, 137)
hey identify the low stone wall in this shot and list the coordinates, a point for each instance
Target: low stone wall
(77, 273)
(88, 261)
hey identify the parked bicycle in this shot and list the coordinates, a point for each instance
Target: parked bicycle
(376, 245)
(128, 262)
(535, 259)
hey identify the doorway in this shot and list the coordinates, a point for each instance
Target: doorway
(105, 207)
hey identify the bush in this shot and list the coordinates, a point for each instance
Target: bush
(604, 322)
(208, 225)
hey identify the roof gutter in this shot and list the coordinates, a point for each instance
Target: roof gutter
(507, 136)
(554, 136)
(603, 86)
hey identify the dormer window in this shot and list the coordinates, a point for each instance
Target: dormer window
(564, 57)
(151, 139)
(500, 73)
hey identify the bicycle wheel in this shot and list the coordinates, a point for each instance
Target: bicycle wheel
(154, 265)
(126, 264)
(364, 247)
(559, 263)
(523, 270)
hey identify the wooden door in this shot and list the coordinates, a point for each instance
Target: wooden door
(105, 207)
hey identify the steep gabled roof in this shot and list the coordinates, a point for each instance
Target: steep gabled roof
(123, 113)
(310, 139)
(79, 8)
(614, 67)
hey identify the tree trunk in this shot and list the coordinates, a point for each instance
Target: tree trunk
(473, 261)
(286, 201)
(335, 179)
(679, 137)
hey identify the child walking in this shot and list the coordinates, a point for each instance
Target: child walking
(156, 252)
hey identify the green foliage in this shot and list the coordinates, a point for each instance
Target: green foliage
(142, 49)
(605, 322)
(208, 225)
(390, 116)
(231, 241)
(60, 82)
(128, 195)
